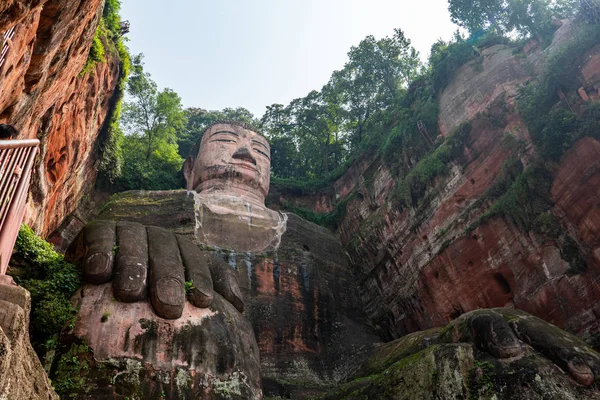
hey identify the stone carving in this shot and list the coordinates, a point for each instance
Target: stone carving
(206, 342)
(494, 353)
(152, 272)
(152, 262)
(231, 173)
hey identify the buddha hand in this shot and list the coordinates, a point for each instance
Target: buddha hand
(150, 262)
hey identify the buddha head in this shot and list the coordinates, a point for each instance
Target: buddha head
(231, 157)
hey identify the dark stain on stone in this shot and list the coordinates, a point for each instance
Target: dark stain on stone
(146, 342)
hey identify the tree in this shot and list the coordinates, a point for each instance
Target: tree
(530, 18)
(374, 78)
(477, 14)
(319, 132)
(152, 120)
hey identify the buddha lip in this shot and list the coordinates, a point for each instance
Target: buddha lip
(245, 164)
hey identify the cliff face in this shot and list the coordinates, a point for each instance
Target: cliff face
(44, 96)
(21, 373)
(420, 267)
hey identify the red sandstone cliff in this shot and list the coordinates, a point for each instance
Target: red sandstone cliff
(418, 268)
(44, 96)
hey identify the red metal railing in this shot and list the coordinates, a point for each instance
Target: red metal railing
(8, 35)
(16, 164)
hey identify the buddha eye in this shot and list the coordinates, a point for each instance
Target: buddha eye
(223, 140)
(263, 153)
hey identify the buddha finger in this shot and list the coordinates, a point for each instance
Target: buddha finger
(99, 242)
(167, 276)
(131, 263)
(197, 273)
(226, 284)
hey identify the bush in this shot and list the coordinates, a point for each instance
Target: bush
(527, 198)
(97, 52)
(538, 97)
(329, 220)
(51, 281)
(411, 189)
(445, 61)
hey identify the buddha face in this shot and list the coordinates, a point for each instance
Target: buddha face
(230, 156)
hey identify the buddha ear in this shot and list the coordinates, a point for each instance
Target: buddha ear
(188, 173)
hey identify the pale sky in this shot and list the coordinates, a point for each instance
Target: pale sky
(253, 53)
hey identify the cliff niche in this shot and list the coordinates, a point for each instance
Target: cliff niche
(452, 272)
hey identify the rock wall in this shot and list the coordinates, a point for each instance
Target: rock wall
(417, 268)
(43, 94)
(21, 373)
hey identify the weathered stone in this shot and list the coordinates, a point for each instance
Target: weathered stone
(43, 94)
(454, 362)
(300, 298)
(197, 273)
(131, 263)
(225, 282)
(167, 276)
(421, 267)
(196, 356)
(230, 170)
(99, 242)
(21, 373)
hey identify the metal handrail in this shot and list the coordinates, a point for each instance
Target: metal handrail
(7, 36)
(16, 165)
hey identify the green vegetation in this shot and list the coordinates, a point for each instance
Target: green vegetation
(410, 190)
(51, 281)
(525, 18)
(382, 103)
(481, 382)
(105, 317)
(317, 134)
(189, 286)
(152, 119)
(328, 220)
(527, 197)
(523, 196)
(554, 129)
(112, 136)
(108, 40)
(97, 52)
(69, 377)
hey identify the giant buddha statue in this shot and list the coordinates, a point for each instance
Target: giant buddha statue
(154, 296)
(170, 273)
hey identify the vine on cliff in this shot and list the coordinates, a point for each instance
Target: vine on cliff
(109, 36)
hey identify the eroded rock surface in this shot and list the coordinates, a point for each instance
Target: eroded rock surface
(43, 94)
(206, 353)
(498, 353)
(21, 373)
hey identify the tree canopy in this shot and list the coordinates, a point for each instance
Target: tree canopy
(152, 121)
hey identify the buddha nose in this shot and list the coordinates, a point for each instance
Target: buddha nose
(244, 154)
